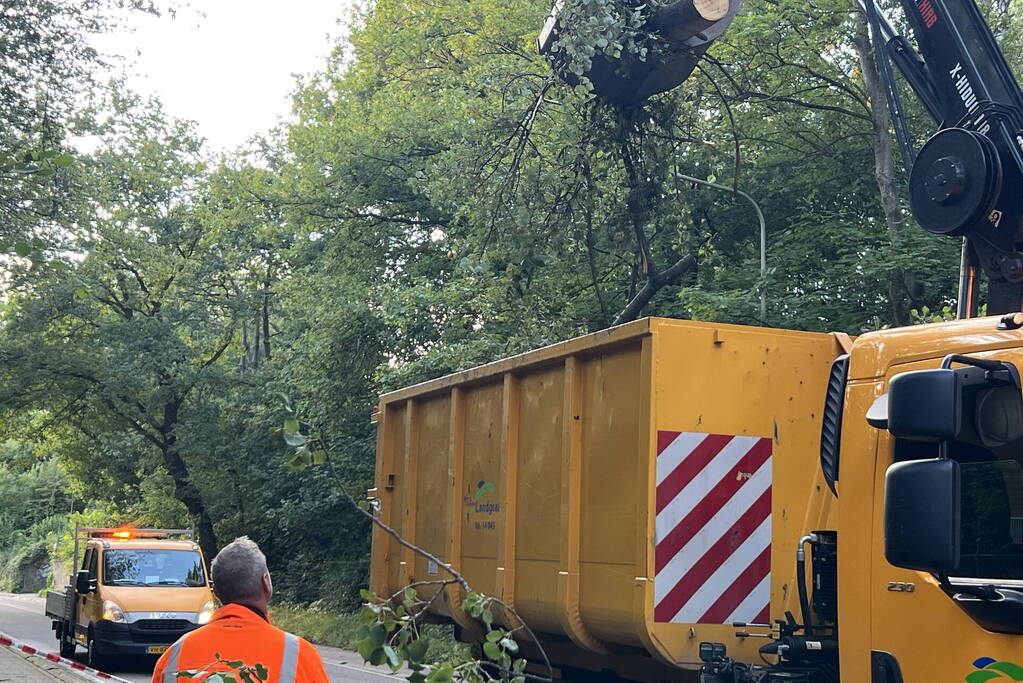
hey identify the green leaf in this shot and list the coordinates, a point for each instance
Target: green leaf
(22, 249)
(367, 594)
(416, 650)
(81, 294)
(509, 645)
(367, 649)
(298, 462)
(392, 658)
(495, 635)
(235, 663)
(63, 160)
(487, 616)
(491, 650)
(445, 673)
(291, 426)
(319, 457)
(261, 672)
(294, 439)
(378, 657)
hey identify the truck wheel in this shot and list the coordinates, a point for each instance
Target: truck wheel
(93, 658)
(67, 648)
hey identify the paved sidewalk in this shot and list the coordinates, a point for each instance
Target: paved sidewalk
(19, 668)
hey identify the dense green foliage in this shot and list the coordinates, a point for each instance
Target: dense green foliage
(440, 200)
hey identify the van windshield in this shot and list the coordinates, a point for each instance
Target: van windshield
(126, 567)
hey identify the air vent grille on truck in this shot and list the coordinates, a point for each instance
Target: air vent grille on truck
(831, 420)
(163, 624)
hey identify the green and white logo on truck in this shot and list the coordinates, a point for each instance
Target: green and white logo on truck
(990, 669)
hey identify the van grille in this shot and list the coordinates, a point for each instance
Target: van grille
(163, 624)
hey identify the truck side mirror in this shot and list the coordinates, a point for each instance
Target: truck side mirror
(83, 585)
(921, 515)
(925, 405)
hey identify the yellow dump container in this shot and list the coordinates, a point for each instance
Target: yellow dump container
(630, 493)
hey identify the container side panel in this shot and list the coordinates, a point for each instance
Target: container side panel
(432, 495)
(536, 594)
(736, 480)
(610, 430)
(481, 512)
(394, 499)
(538, 504)
(607, 602)
(540, 446)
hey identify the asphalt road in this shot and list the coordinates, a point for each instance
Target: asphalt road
(21, 617)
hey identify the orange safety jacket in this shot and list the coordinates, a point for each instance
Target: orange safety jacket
(236, 633)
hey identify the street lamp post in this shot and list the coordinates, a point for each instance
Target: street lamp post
(763, 235)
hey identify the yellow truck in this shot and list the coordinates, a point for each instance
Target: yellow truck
(687, 501)
(135, 592)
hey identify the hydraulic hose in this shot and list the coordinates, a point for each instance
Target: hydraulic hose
(804, 600)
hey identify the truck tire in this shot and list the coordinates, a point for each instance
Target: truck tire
(92, 656)
(67, 647)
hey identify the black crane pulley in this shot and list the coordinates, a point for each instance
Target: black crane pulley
(955, 181)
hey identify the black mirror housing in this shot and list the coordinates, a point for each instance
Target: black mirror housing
(82, 583)
(925, 405)
(922, 515)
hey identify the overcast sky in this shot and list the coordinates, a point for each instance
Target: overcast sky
(228, 64)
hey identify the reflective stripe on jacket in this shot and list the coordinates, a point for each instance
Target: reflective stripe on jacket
(238, 633)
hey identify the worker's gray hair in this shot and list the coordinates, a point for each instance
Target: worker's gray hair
(237, 571)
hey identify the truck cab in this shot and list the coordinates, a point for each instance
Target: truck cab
(135, 592)
(930, 505)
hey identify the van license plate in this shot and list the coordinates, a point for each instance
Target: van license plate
(157, 649)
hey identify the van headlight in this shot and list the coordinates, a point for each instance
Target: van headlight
(206, 613)
(113, 612)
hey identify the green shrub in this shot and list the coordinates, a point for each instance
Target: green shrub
(322, 626)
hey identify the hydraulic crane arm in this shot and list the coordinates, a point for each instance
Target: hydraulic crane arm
(968, 179)
(907, 59)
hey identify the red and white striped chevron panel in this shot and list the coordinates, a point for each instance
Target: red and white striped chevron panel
(713, 540)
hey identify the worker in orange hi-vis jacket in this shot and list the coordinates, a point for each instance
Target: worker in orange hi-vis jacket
(241, 629)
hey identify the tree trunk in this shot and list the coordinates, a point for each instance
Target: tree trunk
(245, 347)
(654, 283)
(184, 489)
(637, 202)
(902, 284)
(266, 316)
